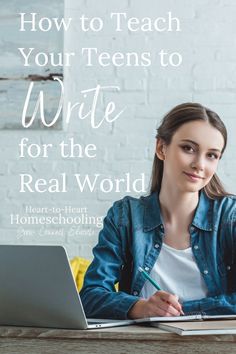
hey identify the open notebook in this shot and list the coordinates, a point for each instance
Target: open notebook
(199, 327)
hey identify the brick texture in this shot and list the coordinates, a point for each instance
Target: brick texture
(206, 75)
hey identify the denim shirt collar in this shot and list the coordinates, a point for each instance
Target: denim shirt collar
(152, 212)
(203, 217)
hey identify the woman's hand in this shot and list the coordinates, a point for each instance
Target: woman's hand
(161, 303)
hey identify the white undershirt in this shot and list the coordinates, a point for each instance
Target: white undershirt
(176, 271)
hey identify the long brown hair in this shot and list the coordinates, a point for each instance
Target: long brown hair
(184, 113)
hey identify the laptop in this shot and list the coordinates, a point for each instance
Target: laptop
(38, 290)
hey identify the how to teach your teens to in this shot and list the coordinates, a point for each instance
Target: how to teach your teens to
(183, 234)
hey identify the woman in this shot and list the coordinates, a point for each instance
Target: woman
(183, 234)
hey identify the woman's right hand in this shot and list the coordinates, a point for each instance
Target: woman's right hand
(161, 303)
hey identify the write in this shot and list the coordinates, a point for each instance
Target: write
(84, 110)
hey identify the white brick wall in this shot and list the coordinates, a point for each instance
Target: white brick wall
(207, 75)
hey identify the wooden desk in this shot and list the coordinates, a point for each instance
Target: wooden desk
(132, 339)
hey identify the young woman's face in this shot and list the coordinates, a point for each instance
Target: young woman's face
(191, 159)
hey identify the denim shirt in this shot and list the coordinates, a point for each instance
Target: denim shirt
(132, 236)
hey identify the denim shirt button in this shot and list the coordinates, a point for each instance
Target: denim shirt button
(162, 227)
(192, 228)
(228, 267)
(146, 268)
(156, 245)
(205, 271)
(196, 247)
(135, 293)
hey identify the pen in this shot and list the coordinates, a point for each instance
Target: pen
(152, 281)
(146, 276)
